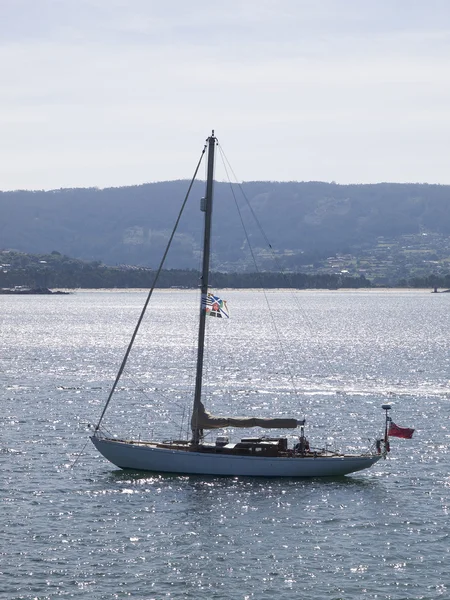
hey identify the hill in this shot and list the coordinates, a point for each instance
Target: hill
(306, 221)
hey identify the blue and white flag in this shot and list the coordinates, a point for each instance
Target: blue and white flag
(215, 306)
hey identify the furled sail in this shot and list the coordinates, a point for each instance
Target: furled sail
(202, 419)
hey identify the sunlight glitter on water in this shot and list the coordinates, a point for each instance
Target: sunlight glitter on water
(94, 531)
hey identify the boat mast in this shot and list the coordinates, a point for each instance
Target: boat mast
(206, 207)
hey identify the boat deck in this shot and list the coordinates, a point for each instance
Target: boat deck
(264, 448)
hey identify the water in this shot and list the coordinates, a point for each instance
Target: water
(95, 532)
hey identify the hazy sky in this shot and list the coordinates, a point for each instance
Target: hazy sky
(117, 92)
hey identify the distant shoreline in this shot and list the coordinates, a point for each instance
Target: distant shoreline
(22, 291)
(68, 291)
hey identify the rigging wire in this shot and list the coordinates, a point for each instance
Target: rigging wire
(207, 370)
(163, 397)
(80, 454)
(161, 393)
(257, 269)
(193, 344)
(285, 275)
(130, 345)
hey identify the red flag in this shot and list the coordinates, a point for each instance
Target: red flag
(400, 432)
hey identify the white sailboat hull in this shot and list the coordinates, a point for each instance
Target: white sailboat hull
(145, 457)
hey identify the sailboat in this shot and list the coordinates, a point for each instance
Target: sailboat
(264, 456)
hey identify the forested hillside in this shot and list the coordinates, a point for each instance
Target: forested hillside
(56, 270)
(304, 222)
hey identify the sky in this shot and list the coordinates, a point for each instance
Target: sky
(123, 92)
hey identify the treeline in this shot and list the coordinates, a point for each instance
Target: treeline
(430, 281)
(287, 280)
(58, 271)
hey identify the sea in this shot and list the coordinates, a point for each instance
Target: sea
(74, 526)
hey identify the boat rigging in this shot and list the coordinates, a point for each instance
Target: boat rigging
(267, 456)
